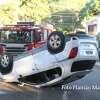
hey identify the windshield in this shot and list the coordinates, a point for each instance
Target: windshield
(15, 36)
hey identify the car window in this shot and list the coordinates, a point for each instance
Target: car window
(15, 37)
(38, 36)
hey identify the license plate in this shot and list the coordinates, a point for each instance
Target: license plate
(87, 53)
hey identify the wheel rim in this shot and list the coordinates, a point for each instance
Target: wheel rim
(55, 41)
(4, 61)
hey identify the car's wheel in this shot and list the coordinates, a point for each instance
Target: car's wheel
(6, 63)
(56, 42)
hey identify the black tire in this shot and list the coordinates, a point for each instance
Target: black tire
(56, 42)
(6, 63)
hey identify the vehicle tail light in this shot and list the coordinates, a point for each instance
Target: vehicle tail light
(73, 52)
(2, 49)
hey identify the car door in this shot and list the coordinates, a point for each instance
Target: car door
(24, 64)
(42, 59)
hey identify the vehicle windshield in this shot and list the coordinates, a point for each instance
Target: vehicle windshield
(15, 36)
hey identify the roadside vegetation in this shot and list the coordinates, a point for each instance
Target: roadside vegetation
(65, 15)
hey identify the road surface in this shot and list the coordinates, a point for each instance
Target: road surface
(87, 88)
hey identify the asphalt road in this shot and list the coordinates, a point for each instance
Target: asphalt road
(87, 88)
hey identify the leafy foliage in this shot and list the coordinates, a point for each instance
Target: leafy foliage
(61, 13)
(8, 13)
(90, 9)
(63, 20)
(34, 10)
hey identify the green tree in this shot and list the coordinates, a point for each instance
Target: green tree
(34, 10)
(90, 9)
(61, 13)
(63, 20)
(8, 13)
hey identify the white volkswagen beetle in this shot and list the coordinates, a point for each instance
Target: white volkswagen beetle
(61, 57)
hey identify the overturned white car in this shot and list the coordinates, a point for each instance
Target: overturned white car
(60, 57)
